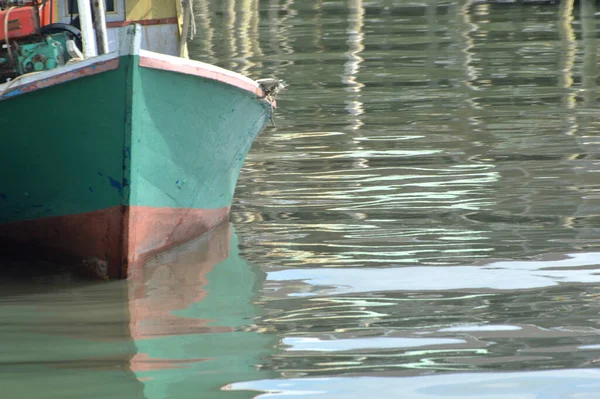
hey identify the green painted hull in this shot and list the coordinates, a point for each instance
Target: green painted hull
(62, 149)
(120, 160)
(216, 125)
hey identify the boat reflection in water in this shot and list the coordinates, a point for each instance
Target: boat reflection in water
(190, 309)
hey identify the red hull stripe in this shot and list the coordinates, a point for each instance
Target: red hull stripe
(110, 242)
(152, 230)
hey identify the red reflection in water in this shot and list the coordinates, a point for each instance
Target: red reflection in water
(171, 282)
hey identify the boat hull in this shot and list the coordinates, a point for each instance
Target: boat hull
(107, 163)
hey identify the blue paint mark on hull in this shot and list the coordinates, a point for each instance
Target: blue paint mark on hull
(115, 184)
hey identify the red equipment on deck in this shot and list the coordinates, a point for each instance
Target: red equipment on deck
(30, 41)
(19, 22)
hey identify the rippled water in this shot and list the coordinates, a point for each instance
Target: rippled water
(421, 222)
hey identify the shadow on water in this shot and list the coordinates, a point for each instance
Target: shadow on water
(62, 336)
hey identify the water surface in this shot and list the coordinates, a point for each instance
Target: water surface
(421, 222)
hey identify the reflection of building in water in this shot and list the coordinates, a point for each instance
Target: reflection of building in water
(504, 81)
(535, 90)
(567, 59)
(191, 309)
(354, 106)
(585, 220)
(204, 47)
(228, 34)
(507, 83)
(280, 39)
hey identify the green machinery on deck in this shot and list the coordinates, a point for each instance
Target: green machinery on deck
(28, 47)
(47, 53)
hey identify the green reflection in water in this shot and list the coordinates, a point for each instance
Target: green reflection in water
(193, 324)
(65, 340)
(180, 327)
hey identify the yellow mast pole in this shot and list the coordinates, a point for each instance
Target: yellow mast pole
(183, 21)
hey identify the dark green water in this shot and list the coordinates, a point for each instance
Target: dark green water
(422, 222)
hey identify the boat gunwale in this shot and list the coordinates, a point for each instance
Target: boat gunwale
(31, 82)
(147, 59)
(165, 62)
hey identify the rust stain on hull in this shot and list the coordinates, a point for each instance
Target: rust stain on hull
(108, 243)
(90, 240)
(152, 230)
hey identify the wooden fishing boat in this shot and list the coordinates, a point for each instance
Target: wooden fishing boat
(115, 145)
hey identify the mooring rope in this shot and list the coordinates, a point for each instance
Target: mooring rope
(10, 55)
